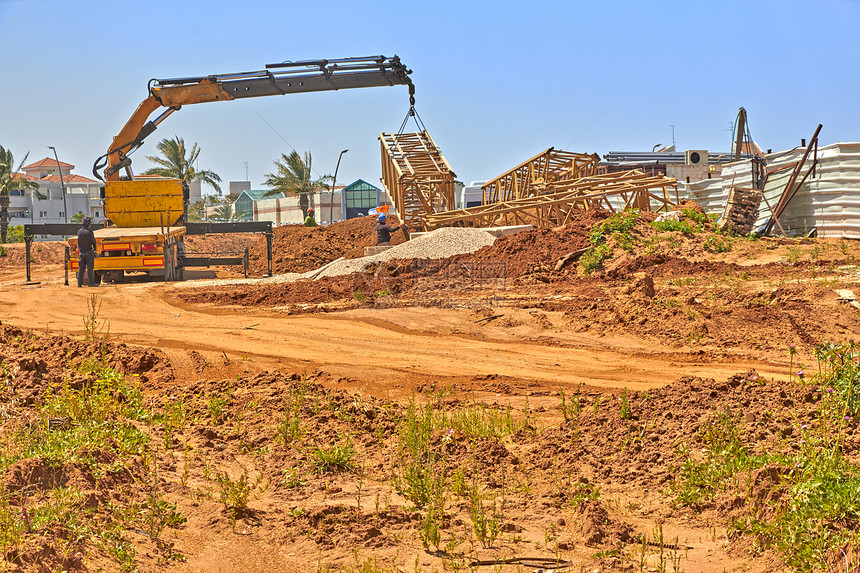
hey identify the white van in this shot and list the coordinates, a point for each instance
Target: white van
(471, 195)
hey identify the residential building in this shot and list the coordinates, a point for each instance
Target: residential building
(47, 204)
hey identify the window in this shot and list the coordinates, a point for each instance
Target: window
(361, 198)
(96, 214)
(43, 214)
(62, 214)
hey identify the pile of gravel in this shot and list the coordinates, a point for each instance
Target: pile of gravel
(440, 244)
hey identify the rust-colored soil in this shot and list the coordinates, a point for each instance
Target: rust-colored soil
(671, 330)
(298, 249)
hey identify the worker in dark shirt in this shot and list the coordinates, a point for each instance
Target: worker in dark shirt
(383, 231)
(86, 254)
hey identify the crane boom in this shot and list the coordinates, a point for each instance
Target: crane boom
(277, 79)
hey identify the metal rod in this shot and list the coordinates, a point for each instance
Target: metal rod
(68, 258)
(62, 184)
(333, 184)
(269, 251)
(27, 240)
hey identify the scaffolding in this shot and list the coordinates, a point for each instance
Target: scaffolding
(416, 176)
(532, 177)
(612, 191)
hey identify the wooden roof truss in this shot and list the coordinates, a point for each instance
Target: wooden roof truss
(612, 191)
(416, 176)
(531, 177)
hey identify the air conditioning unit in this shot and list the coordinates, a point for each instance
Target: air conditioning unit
(696, 157)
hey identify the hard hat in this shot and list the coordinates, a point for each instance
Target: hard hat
(311, 210)
(86, 222)
(381, 217)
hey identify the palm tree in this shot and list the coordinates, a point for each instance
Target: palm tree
(227, 213)
(10, 181)
(294, 178)
(177, 165)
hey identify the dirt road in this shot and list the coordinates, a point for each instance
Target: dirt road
(402, 346)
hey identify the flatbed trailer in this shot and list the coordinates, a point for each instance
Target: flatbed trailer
(155, 251)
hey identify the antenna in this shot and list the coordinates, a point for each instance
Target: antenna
(246, 171)
(673, 135)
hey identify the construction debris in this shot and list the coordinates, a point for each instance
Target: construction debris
(741, 210)
(416, 176)
(613, 192)
(534, 176)
(790, 189)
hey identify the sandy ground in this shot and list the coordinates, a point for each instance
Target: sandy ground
(550, 331)
(410, 345)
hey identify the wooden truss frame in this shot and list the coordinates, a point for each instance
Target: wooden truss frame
(612, 191)
(416, 176)
(531, 177)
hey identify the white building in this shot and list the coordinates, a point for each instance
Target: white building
(47, 204)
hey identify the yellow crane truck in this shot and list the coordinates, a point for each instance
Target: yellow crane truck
(146, 220)
(147, 234)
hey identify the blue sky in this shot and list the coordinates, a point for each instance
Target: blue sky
(496, 83)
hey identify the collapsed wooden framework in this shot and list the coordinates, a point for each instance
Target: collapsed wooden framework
(531, 177)
(612, 191)
(416, 176)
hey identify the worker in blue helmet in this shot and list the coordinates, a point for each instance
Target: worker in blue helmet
(383, 231)
(86, 254)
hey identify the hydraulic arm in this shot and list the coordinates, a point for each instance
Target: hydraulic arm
(276, 79)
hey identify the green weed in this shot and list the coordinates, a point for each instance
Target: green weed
(816, 511)
(334, 458)
(684, 227)
(717, 245)
(617, 226)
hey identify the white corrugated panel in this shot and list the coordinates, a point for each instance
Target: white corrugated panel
(828, 202)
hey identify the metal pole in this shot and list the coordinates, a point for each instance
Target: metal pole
(68, 258)
(333, 183)
(27, 240)
(62, 185)
(269, 251)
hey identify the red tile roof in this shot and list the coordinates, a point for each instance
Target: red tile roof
(47, 162)
(68, 178)
(72, 178)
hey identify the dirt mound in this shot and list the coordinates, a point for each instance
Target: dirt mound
(524, 251)
(599, 530)
(688, 205)
(220, 243)
(36, 360)
(42, 252)
(298, 249)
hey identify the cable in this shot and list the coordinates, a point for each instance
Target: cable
(581, 133)
(318, 174)
(414, 114)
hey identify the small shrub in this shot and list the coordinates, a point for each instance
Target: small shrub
(625, 412)
(717, 245)
(591, 260)
(617, 226)
(235, 494)
(337, 457)
(672, 225)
